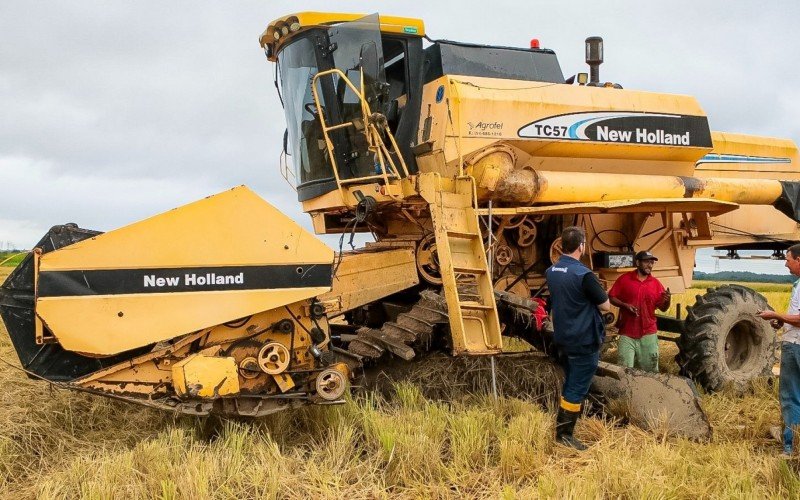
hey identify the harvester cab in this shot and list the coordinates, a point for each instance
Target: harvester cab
(340, 92)
(465, 162)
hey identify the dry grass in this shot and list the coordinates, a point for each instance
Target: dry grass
(56, 444)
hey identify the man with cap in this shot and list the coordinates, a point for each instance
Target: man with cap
(576, 297)
(638, 294)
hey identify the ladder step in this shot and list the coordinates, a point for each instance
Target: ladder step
(462, 234)
(468, 270)
(474, 306)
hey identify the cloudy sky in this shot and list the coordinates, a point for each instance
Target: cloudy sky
(114, 111)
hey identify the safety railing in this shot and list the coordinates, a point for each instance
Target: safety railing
(374, 125)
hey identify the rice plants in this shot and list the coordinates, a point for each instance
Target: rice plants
(417, 439)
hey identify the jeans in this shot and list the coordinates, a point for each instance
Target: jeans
(579, 370)
(641, 353)
(789, 391)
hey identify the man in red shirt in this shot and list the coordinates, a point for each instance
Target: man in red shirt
(638, 294)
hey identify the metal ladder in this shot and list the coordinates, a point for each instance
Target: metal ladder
(468, 289)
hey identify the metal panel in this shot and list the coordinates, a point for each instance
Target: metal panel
(215, 260)
(713, 207)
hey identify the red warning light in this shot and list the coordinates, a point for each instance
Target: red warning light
(534, 43)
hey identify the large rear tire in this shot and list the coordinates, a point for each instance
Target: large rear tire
(725, 344)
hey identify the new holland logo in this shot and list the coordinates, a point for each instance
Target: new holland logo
(623, 127)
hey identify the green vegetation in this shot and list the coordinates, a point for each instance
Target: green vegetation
(777, 294)
(744, 277)
(63, 444)
(12, 258)
(759, 287)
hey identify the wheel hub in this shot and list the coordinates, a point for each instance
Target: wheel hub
(740, 344)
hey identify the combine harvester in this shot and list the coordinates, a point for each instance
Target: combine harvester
(465, 162)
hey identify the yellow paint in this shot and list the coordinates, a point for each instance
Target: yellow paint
(474, 323)
(365, 277)
(736, 226)
(92, 324)
(388, 24)
(206, 377)
(142, 373)
(235, 227)
(525, 187)
(283, 381)
(743, 191)
(750, 145)
(569, 187)
(513, 104)
(345, 197)
(650, 205)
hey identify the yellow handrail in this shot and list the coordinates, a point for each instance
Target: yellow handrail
(374, 142)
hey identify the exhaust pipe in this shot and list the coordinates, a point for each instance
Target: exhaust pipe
(594, 58)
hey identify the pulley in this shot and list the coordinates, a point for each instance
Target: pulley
(331, 384)
(515, 221)
(503, 255)
(556, 250)
(428, 260)
(248, 368)
(274, 358)
(526, 233)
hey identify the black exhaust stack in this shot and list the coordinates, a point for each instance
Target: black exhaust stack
(594, 58)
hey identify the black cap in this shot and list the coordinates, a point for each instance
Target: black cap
(645, 255)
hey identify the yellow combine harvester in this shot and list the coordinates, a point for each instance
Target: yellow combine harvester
(465, 162)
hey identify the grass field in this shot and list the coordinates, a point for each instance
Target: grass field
(777, 294)
(59, 444)
(11, 259)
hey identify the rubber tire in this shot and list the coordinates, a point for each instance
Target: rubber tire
(702, 353)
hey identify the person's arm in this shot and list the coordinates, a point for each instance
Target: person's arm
(664, 301)
(789, 319)
(623, 305)
(615, 300)
(594, 292)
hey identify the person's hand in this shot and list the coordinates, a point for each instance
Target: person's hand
(665, 295)
(631, 309)
(767, 315)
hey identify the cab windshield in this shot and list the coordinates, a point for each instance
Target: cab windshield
(348, 47)
(297, 66)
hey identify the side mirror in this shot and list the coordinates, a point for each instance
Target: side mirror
(369, 61)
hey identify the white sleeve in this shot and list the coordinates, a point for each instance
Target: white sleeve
(794, 302)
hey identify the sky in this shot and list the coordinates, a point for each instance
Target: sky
(111, 112)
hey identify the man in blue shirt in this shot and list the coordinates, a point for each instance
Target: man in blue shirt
(576, 298)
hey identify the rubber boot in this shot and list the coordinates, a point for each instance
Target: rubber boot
(565, 425)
